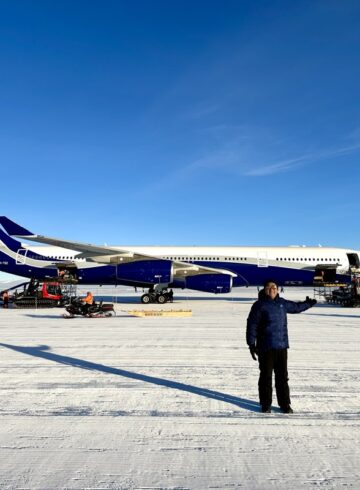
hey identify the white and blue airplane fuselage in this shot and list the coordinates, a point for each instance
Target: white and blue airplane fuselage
(211, 269)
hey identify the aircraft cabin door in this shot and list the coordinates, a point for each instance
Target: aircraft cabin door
(324, 274)
(354, 261)
(21, 256)
(262, 259)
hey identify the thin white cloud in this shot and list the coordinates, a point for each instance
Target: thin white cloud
(231, 161)
(202, 110)
(292, 164)
(237, 155)
(276, 167)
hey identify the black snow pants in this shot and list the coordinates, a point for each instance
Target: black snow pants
(274, 360)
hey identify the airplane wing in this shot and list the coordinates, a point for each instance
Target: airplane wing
(105, 254)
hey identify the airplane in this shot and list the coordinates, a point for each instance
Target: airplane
(208, 269)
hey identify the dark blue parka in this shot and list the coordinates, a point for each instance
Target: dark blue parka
(267, 322)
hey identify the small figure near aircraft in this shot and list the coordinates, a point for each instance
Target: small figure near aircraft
(75, 307)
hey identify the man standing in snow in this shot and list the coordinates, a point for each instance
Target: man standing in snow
(267, 338)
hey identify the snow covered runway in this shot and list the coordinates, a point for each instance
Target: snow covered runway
(127, 402)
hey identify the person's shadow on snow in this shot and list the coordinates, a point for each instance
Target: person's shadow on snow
(43, 351)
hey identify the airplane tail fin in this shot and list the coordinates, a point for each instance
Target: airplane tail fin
(13, 228)
(9, 242)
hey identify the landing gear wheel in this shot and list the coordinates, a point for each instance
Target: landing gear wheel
(146, 299)
(161, 299)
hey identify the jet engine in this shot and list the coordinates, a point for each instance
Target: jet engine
(146, 271)
(210, 283)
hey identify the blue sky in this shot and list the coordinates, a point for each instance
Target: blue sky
(182, 122)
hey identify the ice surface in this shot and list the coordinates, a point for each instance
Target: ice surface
(171, 403)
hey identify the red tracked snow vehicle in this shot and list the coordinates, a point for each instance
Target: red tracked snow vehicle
(39, 295)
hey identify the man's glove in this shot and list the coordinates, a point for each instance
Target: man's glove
(253, 351)
(310, 301)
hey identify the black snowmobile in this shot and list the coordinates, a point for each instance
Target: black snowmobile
(76, 307)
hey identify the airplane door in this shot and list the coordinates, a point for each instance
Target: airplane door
(354, 261)
(325, 274)
(262, 259)
(21, 256)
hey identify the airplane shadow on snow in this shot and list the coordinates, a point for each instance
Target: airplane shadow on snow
(42, 351)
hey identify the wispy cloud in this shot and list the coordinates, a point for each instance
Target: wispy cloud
(294, 163)
(276, 168)
(238, 160)
(238, 151)
(202, 110)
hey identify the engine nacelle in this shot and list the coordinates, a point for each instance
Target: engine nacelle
(210, 283)
(145, 271)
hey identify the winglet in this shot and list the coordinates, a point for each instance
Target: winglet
(13, 229)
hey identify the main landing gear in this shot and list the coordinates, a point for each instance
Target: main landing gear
(157, 296)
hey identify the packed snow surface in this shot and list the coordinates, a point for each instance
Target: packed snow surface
(172, 403)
